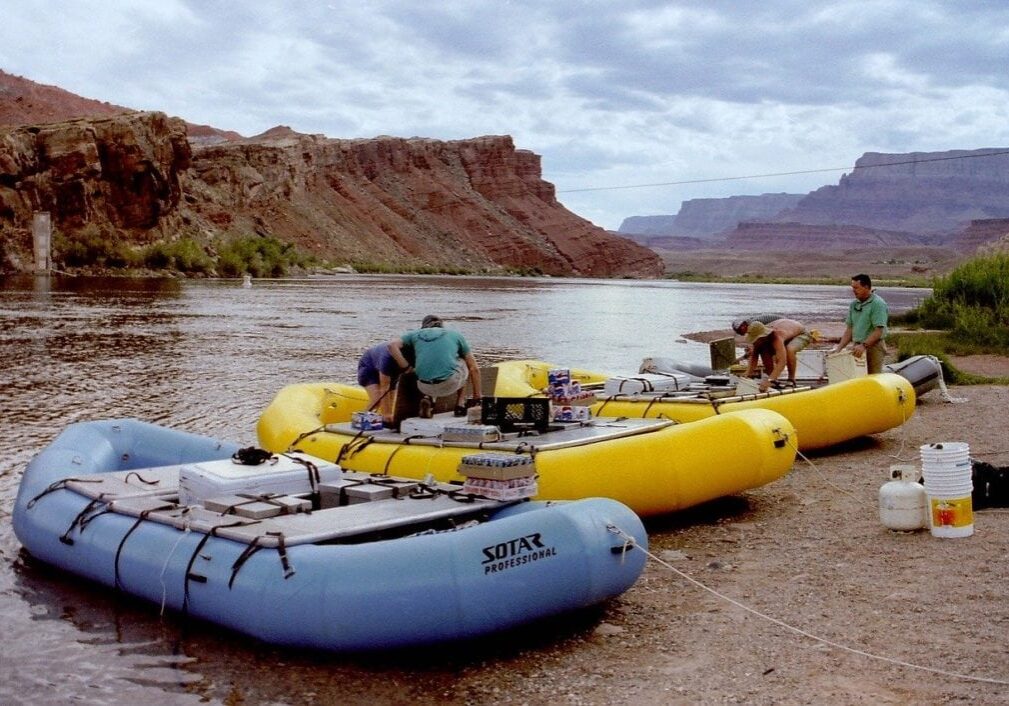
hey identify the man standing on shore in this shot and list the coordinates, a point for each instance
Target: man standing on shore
(866, 324)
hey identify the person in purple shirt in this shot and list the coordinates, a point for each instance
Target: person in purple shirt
(377, 373)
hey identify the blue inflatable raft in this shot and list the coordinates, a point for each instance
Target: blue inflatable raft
(295, 551)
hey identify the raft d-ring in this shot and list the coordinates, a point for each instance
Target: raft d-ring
(629, 542)
(781, 440)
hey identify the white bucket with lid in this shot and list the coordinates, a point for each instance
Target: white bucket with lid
(946, 470)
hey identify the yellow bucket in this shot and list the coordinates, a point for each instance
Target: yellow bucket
(951, 516)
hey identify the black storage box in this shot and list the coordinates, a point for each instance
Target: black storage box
(516, 413)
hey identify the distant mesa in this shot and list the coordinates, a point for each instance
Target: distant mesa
(707, 219)
(955, 198)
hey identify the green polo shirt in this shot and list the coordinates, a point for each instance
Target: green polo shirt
(438, 351)
(865, 316)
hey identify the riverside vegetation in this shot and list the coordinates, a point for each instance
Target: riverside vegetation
(259, 256)
(92, 248)
(966, 314)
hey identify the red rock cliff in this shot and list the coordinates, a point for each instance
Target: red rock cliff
(474, 204)
(119, 174)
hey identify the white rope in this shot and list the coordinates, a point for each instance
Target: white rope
(903, 426)
(942, 383)
(799, 631)
(819, 472)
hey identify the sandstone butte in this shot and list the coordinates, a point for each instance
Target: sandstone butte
(478, 204)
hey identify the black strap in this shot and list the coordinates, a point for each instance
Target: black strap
(282, 551)
(253, 547)
(189, 566)
(122, 542)
(313, 471)
(79, 520)
(249, 550)
(59, 485)
(196, 552)
(304, 435)
(140, 478)
(388, 460)
(352, 447)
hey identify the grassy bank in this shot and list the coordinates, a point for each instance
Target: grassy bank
(966, 314)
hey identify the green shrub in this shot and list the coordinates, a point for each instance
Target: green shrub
(259, 256)
(183, 255)
(972, 302)
(386, 268)
(90, 246)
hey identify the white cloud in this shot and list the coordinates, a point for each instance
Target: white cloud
(610, 94)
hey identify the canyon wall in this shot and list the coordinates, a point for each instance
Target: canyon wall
(476, 204)
(802, 237)
(120, 174)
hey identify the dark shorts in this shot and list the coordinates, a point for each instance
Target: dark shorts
(367, 372)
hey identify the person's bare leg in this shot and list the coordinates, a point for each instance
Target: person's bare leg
(373, 395)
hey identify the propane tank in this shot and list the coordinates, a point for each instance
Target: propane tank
(902, 502)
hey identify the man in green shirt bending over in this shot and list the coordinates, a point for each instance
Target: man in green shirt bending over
(866, 324)
(444, 362)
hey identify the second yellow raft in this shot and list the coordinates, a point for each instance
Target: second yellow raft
(652, 467)
(822, 416)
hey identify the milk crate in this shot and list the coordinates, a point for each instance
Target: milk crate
(516, 413)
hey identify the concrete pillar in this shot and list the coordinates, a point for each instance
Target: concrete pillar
(42, 235)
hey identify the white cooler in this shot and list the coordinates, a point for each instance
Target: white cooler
(645, 382)
(212, 479)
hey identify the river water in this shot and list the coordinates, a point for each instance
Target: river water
(207, 357)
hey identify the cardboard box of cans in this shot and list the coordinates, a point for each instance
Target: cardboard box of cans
(497, 466)
(366, 421)
(559, 376)
(473, 433)
(580, 399)
(570, 413)
(514, 489)
(565, 391)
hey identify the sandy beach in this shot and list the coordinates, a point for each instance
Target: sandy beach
(872, 615)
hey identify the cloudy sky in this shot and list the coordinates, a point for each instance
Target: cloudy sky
(619, 93)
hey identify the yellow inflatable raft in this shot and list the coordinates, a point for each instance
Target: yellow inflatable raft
(822, 416)
(653, 466)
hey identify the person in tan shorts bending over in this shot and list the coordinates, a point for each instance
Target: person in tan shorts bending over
(776, 345)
